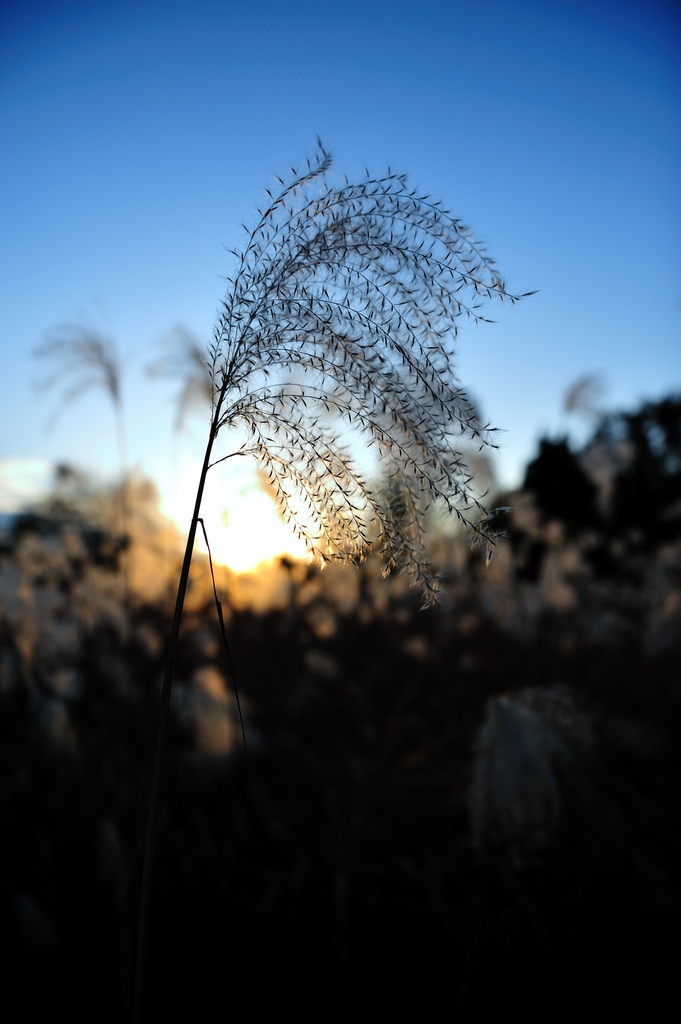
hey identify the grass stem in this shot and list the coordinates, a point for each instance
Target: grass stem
(152, 819)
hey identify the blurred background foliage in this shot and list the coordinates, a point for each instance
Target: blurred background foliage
(480, 800)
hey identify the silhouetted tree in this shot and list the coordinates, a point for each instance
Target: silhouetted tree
(647, 484)
(561, 487)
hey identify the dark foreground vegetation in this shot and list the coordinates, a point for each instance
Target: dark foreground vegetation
(479, 802)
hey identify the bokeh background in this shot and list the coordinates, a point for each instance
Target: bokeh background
(479, 801)
(138, 140)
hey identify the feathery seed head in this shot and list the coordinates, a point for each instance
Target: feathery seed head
(340, 321)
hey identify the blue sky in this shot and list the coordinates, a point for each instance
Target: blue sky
(137, 138)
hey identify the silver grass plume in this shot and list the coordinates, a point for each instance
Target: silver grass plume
(184, 359)
(342, 315)
(84, 359)
(527, 744)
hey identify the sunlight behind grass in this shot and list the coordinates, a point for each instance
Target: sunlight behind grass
(243, 527)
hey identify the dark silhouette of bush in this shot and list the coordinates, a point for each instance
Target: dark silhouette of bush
(341, 861)
(561, 487)
(647, 487)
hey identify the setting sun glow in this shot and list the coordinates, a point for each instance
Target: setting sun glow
(243, 527)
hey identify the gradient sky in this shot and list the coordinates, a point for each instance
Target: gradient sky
(137, 137)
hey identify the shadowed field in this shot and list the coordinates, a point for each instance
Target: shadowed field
(478, 801)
